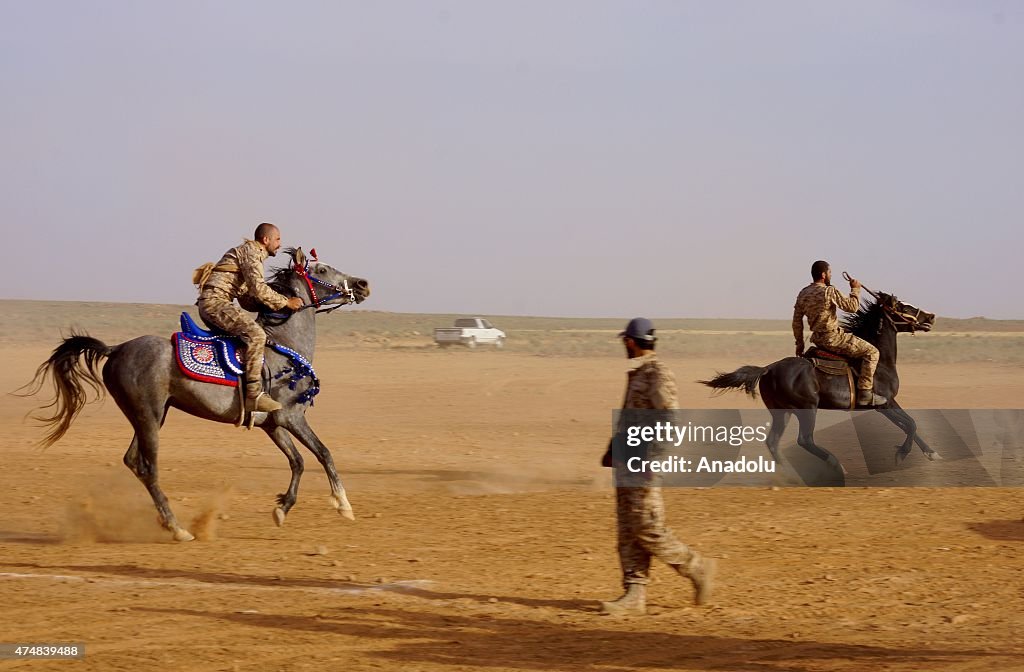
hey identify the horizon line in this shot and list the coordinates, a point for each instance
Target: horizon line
(495, 315)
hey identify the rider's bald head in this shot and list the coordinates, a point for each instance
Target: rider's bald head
(269, 237)
(264, 230)
(818, 269)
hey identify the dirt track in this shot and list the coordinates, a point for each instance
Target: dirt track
(485, 537)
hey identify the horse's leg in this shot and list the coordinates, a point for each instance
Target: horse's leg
(779, 420)
(141, 459)
(286, 500)
(297, 425)
(896, 416)
(899, 417)
(807, 418)
(786, 473)
(131, 456)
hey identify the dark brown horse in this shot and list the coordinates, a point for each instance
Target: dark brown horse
(145, 381)
(791, 386)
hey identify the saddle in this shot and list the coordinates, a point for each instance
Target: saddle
(826, 361)
(209, 356)
(828, 364)
(213, 356)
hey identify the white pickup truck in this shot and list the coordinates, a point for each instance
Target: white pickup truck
(471, 332)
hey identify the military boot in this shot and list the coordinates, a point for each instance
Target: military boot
(868, 399)
(701, 573)
(261, 402)
(632, 603)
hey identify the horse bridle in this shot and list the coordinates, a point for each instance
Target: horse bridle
(906, 318)
(343, 290)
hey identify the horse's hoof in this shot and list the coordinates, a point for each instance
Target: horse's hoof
(834, 462)
(279, 516)
(181, 534)
(340, 502)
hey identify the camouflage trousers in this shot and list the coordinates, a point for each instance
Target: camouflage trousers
(852, 346)
(224, 314)
(642, 535)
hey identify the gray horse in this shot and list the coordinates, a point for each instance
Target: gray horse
(143, 378)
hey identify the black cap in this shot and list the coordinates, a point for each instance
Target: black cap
(639, 329)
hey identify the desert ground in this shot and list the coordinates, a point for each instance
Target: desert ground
(485, 530)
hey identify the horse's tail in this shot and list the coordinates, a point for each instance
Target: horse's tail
(73, 368)
(745, 378)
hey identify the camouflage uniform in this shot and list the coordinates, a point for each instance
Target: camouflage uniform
(819, 302)
(641, 511)
(239, 274)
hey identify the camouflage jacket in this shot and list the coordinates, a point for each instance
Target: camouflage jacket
(818, 303)
(650, 385)
(239, 273)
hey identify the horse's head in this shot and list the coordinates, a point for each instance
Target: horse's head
(905, 317)
(328, 287)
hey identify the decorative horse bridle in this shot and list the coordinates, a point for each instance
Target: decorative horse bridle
(317, 302)
(339, 291)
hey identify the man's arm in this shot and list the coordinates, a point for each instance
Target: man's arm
(849, 304)
(798, 328)
(251, 267)
(664, 395)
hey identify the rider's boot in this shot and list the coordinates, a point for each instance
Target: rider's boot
(258, 400)
(868, 399)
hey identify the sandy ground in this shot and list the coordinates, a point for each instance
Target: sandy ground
(484, 538)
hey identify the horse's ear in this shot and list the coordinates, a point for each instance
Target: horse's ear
(299, 257)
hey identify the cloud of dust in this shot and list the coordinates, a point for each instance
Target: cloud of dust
(113, 509)
(212, 511)
(118, 509)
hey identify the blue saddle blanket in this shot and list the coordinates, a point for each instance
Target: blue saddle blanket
(207, 356)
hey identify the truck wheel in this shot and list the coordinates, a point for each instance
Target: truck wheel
(471, 343)
(499, 343)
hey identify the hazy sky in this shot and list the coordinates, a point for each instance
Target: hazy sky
(553, 158)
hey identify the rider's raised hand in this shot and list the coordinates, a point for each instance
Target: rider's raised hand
(294, 303)
(854, 283)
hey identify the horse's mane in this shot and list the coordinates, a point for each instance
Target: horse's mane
(280, 276)
(864, 323)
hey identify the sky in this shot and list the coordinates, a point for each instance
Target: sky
(566, 158)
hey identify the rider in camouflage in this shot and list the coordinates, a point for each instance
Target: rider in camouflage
(818, 302)
(239, 275)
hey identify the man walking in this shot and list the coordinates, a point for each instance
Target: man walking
(642, 533)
